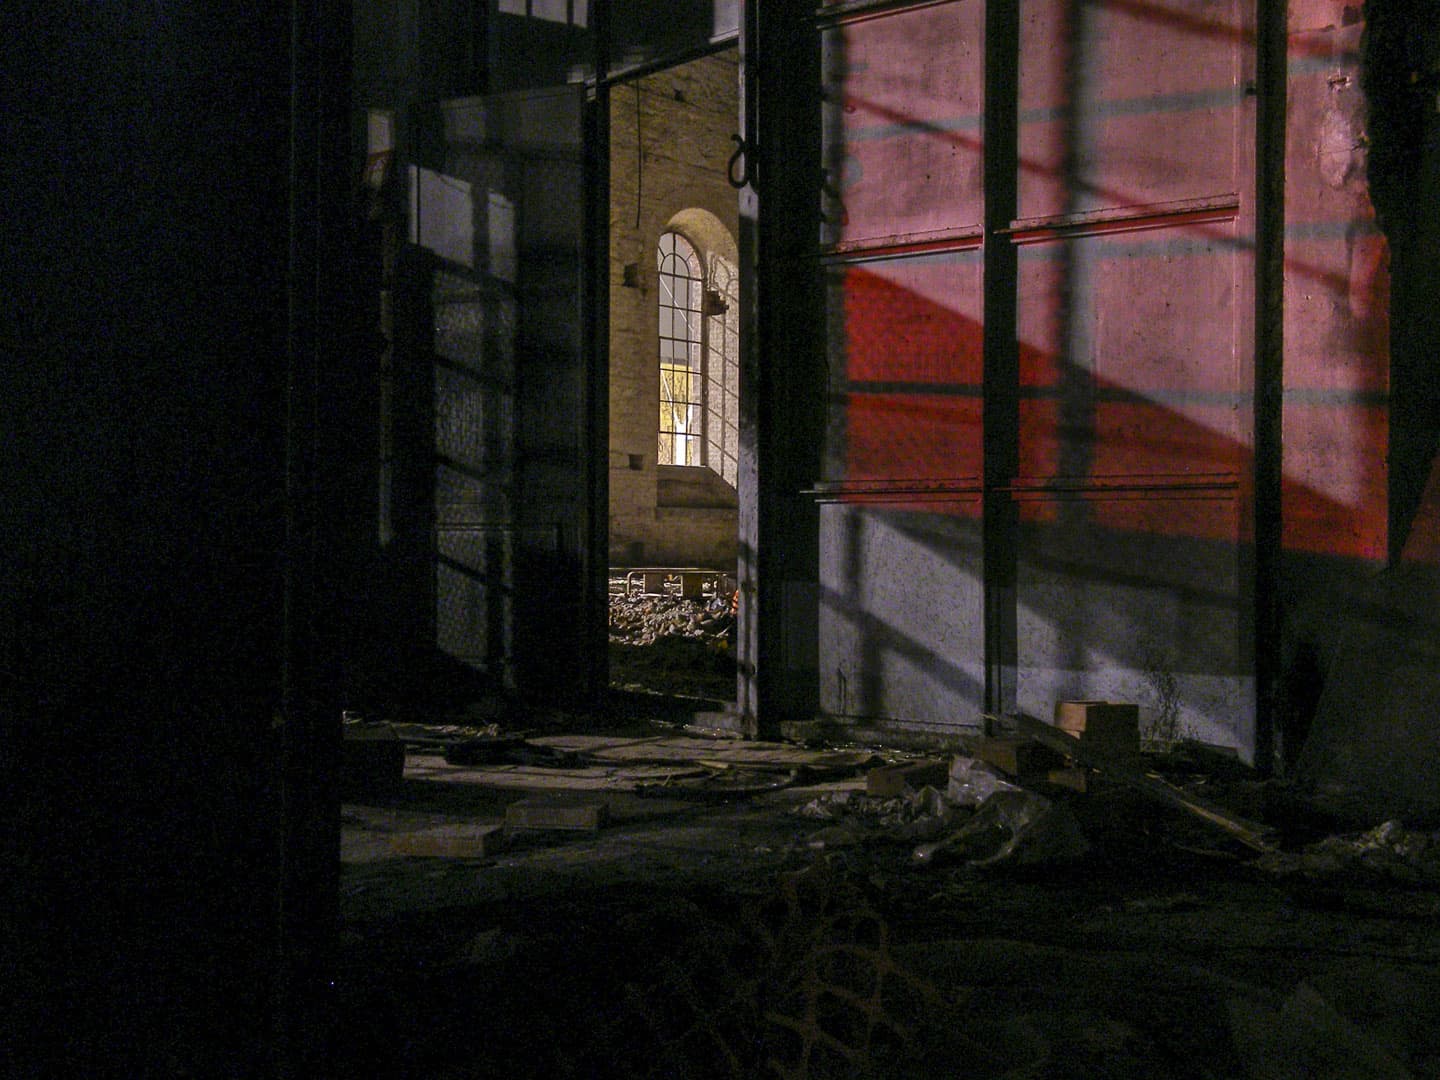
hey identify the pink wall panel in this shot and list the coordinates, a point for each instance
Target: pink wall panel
(1130, 362)
(1335, 422)
(903, 123)
(1129, 102)
(910, 401)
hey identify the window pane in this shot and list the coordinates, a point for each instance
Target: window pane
(681, 390)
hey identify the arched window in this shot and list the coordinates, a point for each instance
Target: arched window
(681, 353)
(699, 359)
(721, 307)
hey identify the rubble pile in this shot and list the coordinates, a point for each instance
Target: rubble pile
(1030, 900)
(917, 814)
(1004, 823)
(671, 644)
(645, 619)
(1389, 851)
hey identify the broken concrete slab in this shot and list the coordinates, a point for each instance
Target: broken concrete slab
(556, 814)
(461, 841)
(511, 751)
(890, 780)
(972, 781)
(432, 768)
(665, 749)
(722, 784)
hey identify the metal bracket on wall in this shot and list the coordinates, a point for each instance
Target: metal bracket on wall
(742, 155)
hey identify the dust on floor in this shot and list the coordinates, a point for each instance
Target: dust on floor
(702, 931)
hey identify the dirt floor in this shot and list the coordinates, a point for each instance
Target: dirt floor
(746, 910)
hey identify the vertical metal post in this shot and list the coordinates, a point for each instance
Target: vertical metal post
(596, 320)
(1270, 123)
(320, 190)
(1001, 420)
(747, 636)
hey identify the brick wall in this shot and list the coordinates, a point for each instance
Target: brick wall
(674, 178)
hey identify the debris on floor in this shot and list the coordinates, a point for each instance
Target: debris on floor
(971, 782)
(718, 782)
(917, 813)
(1017, 827)
(672, 644)
(643, 619)
(1120, 768)
(890, 780)
(1389, 851)
(509, 750)
(739, 897)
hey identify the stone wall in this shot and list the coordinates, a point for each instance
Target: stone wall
(669, 149)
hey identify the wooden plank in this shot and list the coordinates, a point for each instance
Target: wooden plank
(1249, 833)
(891, 780)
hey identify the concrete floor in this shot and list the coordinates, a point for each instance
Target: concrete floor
(735, 938)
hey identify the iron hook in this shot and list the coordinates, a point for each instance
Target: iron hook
(742, 151)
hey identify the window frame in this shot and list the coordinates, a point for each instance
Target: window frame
(679, 355)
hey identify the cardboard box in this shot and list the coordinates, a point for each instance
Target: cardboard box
(891, 780)
(1106, 725)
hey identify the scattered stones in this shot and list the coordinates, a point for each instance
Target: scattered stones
(672, 645)
(1019, 827)
(1389, 851)
(645, 619)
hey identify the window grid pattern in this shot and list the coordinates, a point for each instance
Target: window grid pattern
(574, 12)
(682, 406)
(722, 372)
